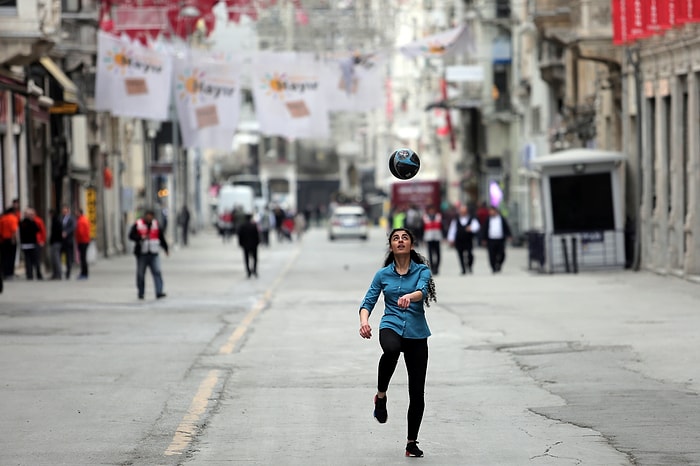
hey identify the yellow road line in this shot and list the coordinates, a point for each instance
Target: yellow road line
(239, 331)
(186, 430)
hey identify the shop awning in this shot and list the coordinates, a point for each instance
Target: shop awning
(70, 90)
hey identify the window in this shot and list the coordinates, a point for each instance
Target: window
(70, 6)
(667, 153)
(501, 96)
(502, 8)
(651, 147)
(536, 120)
(8, 7)
(582, 203)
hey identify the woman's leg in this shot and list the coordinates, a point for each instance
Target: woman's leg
(390, 342)
(415, 354)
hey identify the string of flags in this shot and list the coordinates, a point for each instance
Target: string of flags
(294, 92)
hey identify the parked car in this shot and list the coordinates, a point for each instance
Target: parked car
(348, 222)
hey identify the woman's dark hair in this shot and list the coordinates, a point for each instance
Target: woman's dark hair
(418, 259)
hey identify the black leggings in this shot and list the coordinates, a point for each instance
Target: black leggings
(415, 355)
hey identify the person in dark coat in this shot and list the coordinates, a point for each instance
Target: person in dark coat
(495, 234)
(68, 238)
(184, 222)
(461, 236)
(28, 231)
(248, 240)
(55, 245)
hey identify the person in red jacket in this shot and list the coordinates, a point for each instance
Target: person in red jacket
(9, 238)
(40, 238)
(82, 237)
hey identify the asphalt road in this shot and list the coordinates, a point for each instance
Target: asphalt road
(589, 369)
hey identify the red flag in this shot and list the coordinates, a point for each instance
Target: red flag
(619, 20)
(682, 11)
(694, 11)
(448, 118)
(666, 11)
(687, 11)
(657, 16)
(637, 19)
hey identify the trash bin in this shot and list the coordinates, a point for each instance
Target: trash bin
(535, 249)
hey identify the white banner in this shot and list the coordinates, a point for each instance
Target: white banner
(132, 81)
(456, 40)
(208, 100)
(356, 84)
(290, 95)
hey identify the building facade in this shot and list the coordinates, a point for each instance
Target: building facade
(669, 103)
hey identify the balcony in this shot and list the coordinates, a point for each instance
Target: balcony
(551, 63)
(28, 30)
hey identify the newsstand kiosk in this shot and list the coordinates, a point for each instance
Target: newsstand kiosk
(583, 204)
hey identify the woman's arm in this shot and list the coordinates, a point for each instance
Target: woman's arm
(365, 329)
(408, 298)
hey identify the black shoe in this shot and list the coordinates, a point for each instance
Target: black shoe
(380, 413)
(140, 296)
(160, 295)
(413, 450)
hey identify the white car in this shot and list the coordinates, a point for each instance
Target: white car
(348, 222)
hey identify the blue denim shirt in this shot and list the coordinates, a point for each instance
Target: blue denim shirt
(409, 322)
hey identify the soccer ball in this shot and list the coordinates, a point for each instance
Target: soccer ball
(404, 164)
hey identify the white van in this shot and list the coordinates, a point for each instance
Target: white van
(232, 197)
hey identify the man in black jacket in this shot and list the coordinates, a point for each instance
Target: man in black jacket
(494, 237)
(461, 235)
(148, 240)
(28, 231)
(248, 240)
(55, 244)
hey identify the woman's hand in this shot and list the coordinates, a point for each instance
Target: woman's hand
(365, 330)
(404, 301)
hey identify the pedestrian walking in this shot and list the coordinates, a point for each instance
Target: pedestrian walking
(67, 238)
(28, 233)
(184, 222)
(432, 235)
(9, 237)
(407, 286)
(248, 240)
(149, 240)
(55, 244)
(495, 234)
(82, 238)
(266, 222)
(40, 238)
(461, 234)
(300, 225)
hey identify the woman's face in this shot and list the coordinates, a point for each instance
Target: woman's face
(400, 242)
